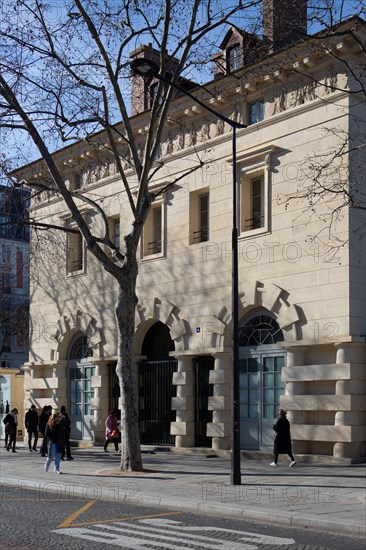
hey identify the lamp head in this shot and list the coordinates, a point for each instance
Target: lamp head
(144, 67)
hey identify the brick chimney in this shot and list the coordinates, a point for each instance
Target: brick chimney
(284, 22)
(142, 87)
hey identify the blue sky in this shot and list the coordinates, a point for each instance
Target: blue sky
(250, 21)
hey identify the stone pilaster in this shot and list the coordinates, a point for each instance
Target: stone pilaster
(220, 403)
(59, 383)
(354, 389)
(184, 403)
(100, 401)
(295, 386)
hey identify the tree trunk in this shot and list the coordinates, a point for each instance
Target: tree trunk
(127, 371)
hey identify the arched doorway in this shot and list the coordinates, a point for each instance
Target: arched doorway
(155, 387)
(261, 362)
(80, 372)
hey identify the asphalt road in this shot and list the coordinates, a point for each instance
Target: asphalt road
(31, 520)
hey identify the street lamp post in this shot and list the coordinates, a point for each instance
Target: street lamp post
(148, 68)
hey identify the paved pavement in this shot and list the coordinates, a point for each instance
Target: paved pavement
(317, 496)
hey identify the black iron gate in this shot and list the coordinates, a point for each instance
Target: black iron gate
(113, 391)
(203, 365)
(156, 392)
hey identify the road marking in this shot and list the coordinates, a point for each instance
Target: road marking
(69, 521)
(172, 535)
(73, 516)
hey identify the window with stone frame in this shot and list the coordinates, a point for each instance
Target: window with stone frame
(254, 191)
(153, 233)
(153, 90)
(75, 253)
(199, 216)
(234, 58)
(115, 231)
(19, 266)
(255, 111)
(253, 203)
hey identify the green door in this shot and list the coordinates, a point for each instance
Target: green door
(80, 395)
(260, 390)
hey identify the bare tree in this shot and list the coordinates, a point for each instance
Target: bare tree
(64, 77)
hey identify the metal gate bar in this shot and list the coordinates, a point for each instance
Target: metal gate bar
(204, 390)
(155, 393)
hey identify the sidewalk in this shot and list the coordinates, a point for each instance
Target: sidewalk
(325, 497)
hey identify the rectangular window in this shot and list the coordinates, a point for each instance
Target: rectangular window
(234, 58)
(255, 111)
(75, 261)
(153, 231)
(22, 326)
(5, 279)
(203, 218)
(199, 216)
(153, 93)
(256, 203)
(19, 269)
(5, 254)
(78, 180)
(253, 203)
(5, 228)
(116, 235)
(155, 244)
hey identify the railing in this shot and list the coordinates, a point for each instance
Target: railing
(154, 247)
(201, 235)
(254, 223)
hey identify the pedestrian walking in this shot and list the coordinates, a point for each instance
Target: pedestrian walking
(67, 421)
(42, 423)
(11, 423)
(6, 434)
(31, 425)
(282, 442)
(55, 432)
(111, 431)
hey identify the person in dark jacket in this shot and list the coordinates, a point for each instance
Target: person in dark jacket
(55, 432)
(282, 442)
(42, 423)
(31, 425)
(11, 423)
(67, 421)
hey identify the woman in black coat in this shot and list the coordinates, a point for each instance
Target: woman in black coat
(282, 442)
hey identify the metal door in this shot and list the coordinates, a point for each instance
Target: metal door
(260, 390)
(155, 393)
(80, 394)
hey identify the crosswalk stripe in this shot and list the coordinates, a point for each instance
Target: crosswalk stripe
(173, 535)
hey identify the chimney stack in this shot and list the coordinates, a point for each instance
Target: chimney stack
(142, 86)
(284, 22)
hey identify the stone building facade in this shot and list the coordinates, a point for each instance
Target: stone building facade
(302, 297)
